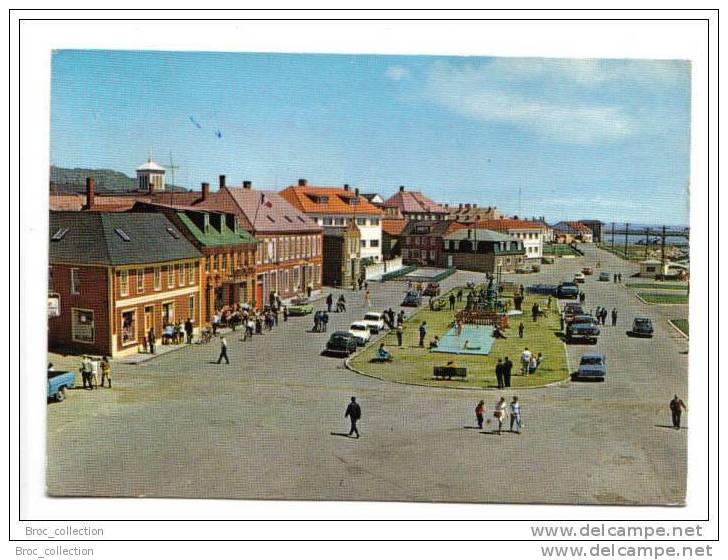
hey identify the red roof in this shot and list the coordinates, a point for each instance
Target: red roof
(506, 224)
(267, 211)
(393, 226)
(412, 202)
(328, 200)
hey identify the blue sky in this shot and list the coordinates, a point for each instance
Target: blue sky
(605, 139)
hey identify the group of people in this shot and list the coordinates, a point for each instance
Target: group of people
(530, 362)
(501, 412)
(340, 303)
(601, 314)
(320, 321)
(90, 371)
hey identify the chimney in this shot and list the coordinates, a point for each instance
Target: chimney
(302, 182)
(467, 206)
(222, 181)
(356, 192)
(247, 185)
(90, 192)
(446, 205)
(470, 233)
(460, 206)
(346, 186)
(205, 191)
(401, 188)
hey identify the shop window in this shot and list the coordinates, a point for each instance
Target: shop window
(124, 282)
(128, 327)
(75, 282)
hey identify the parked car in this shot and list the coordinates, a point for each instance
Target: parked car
(587, 271)
(568, 290)
(582, 327)
(412, 299)
(579, 278)
(300, 306)
(432, 289)
(642, 326)
(592, 366)
(360, 331)
(58, 382)
(544, 289)
(340, 343)
(374, 321)
(547, 260)
(571, 310)
(604, 277)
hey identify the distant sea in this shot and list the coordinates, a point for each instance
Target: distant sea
(642, 239)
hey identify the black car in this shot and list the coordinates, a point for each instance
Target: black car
(341, 343)
(412, 299)
(567, 290)
(642, 326)
(582, 327)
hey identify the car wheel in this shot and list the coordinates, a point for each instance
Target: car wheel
(61, 394)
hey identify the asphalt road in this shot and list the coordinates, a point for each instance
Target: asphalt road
(271, 424)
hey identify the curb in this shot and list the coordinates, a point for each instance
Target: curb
(674, 326)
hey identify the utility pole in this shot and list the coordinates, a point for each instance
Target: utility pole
(612, 235)
(663, 251)
(626, 239)
(647, 242)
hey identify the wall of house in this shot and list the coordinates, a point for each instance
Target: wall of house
(477, 262)
(92, 299)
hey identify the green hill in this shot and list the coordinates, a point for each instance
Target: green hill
(107, 180)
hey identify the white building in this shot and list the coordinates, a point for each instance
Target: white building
(339, 206)
(150, 176)
(529, 232)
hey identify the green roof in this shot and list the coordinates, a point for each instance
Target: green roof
(214, 237)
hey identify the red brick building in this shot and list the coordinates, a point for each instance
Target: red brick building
(115, 276)
(422, 242)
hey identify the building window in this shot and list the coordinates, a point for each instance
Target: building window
(328, 221)
(157, 278)
(124, 282)
(182, 270)
(363, 242)
(75, 282)
(375, 221)
(170, 276)
(224, 265)
(83, 328)
(361, 221)
(191, 273)
(374, 243)
(219, 262)
(191, 308)
(128, 327)
(140, 280)
(339, 221)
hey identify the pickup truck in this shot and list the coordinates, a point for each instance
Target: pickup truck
(582, 327)
(58, 382)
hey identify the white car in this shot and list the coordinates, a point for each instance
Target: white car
(360, 331)
(579, 277)
(374, 321)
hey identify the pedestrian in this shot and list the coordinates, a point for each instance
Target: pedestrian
(86, 372)
(316, 321)
(105, 370)
(94, 381)
(400, 332)
(324, 320)
(423, 332)
(562, 321)
(515, 409)
(604, 316)
(366, 285)
(188, 330)
(479, 412)
(223, 351)
(532, 365)
(500, 412)
(367, 299)
(676, 408)
(507, 368)
(598, 313)
(329, 302)
(582, 297)
(619, 277)
(215, 323)
(548, 303)
(525, 361)
(614, 317)
(499, 374)
(452, 301)
(521, 328)
(285, 313)
(534, 311)
(615, 277)
(353, 412)
(460, 295)
(151, 339)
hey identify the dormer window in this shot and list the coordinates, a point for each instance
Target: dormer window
(121, 233)
(353, 201)
(59, 234)
(206, 226)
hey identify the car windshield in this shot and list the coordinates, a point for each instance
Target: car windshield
(642, 322)
(583, 319)
(371, 317)
(359, 328)
(591, 361)
(299, 301)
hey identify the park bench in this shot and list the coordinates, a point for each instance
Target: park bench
(446, 372)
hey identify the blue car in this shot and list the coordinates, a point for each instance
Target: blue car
(592, 366)
(58, 382)
(412, 299)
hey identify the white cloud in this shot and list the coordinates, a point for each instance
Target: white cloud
(396, 72)
(556, 99)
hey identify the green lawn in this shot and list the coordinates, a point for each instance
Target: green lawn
(558, 250)
(659, 286)
(682, 324)
(651, 297)
(414, 365)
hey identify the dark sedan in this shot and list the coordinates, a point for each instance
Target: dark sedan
(340, 343)
(642, 326)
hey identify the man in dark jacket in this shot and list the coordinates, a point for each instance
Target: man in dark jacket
(676, 407)
(499, 373)
(329, 302)
(423, 333)
(353, 412)
(507, 367)
(188, 330)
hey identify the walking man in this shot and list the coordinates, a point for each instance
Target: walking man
(521, 328)
(614, 317)
(507, 368)
(479, 412)
(525, 361)
(452, 301)
(353, 412)
(188, 330)
(676, 408)
(367, 299)
(151, 339)
(400, 332)
(423, 333)
(86, 372)
(105, 370)
(499, 373)
(329, 302)
(515, 415)
(223, 351)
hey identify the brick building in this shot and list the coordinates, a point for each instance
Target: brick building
(115, 276)
(422, 242)
(228, 274)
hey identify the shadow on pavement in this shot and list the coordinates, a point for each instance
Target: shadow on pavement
(669, 426)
